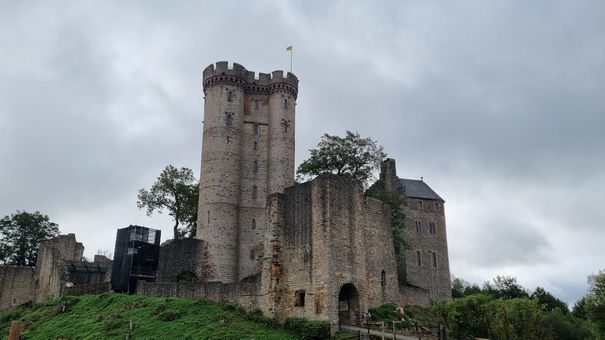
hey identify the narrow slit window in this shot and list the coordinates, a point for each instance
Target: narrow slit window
(256, 104)
(230, 96)
(285, 126)
(255, 166)
(432, 228)
(255, 145)
(418, 258)
(434, 259)
(255, 129)
(253, 223)
(285, 103)
(229, 119)
(254, 192)
(252, 254)
(418, 227)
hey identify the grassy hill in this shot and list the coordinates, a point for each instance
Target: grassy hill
(109, 316)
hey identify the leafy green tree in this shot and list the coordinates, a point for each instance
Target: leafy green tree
(351, 157)
(595, 302)
(176, 190)
(518, 318)
(505, 287)
(462, 288)
(578, 309)
(568, 327)
(549, 301)
(21, 234)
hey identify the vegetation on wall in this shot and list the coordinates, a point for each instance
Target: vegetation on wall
(20, 236)
(379, 191)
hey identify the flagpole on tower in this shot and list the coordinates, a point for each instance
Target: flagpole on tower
(289, 48)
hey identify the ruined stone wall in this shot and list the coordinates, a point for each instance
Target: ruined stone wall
(16, 286)
(51, 272)
(333, 236)
(91, 288)
(243, 293)
(179, 257)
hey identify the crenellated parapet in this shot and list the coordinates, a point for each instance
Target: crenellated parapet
(237, 75)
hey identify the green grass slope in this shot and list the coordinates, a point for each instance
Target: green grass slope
(109, 316)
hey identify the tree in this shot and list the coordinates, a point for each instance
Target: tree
(20, 236)
(595, 302)
(351, 157)
(175, 190)
(505, 287)
(549, 301)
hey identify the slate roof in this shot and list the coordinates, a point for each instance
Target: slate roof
(418, 189)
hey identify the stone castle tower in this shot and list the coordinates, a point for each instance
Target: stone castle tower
(247, 154)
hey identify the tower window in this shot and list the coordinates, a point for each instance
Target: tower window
(300, 298)
(419, 204)
(256, 104)
(418, 227)
(255, 128)
(230, 96)
(252, 254)
(285, 126)
(434, 259)
(254, 192)
(255, 166)
(255, 146)
(253, 223)
(285, 103)
(436, 206)
(229, 119)
(432, 228)
(418, 258)
(383, 278)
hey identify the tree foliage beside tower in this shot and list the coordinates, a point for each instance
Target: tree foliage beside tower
(351, 157)
(175, 190)
(21, 234)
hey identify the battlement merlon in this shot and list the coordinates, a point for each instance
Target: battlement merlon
(237, 74)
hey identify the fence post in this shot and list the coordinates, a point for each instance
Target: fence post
(15, 331)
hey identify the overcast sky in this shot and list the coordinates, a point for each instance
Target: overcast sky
(499, 105)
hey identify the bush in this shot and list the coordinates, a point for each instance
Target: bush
(170, 315)
(308, 330)
(256, 315)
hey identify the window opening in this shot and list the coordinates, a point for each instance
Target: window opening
(229, 119)
(300, 298)
(253, 223)
(418, 259)
(285, 126)
(255, 145)
(255, 166)
(434, 259)
(255, 128)
(256, 104)
(432, 228)
(230, 96)
(419, 204)
(418, 227)
(436, 206)
(252, 254)
(383, 278)
(285, 103)
(254, 192)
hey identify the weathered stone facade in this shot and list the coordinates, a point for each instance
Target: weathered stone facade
(59, 271)
(247, 154)
(319, 250)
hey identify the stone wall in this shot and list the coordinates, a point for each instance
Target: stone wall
(328, 242)
(92, 288)
(242, 293)
(16, 286)
(181, 260)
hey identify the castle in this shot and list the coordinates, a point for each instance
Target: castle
(321, 250)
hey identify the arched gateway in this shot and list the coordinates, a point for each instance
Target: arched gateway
(348, 305)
